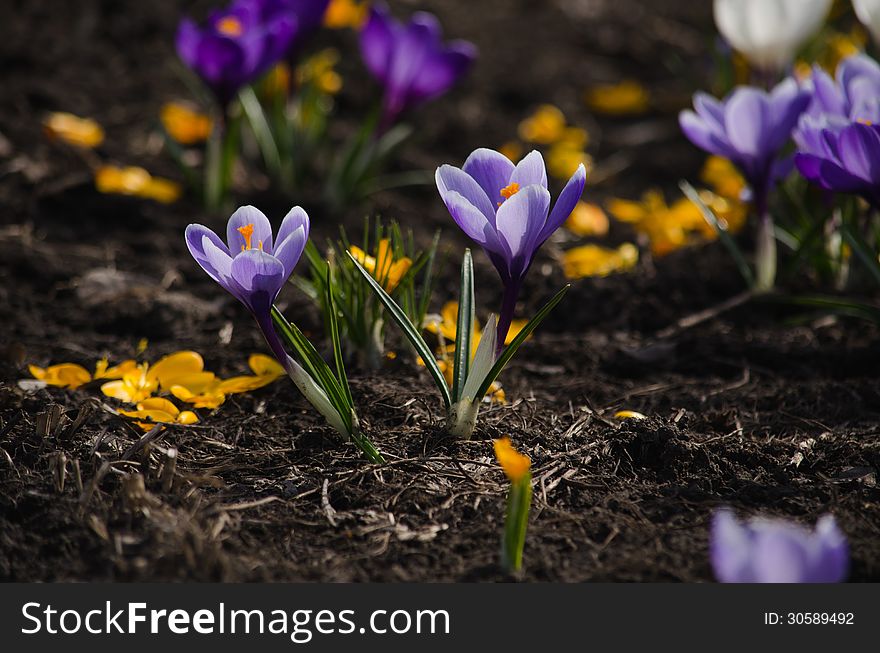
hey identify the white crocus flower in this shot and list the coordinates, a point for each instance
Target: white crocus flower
(770, 32)
(868, 12)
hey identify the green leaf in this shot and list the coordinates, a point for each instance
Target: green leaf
(262, 131)
(315, 366)
(464, 328)
(333, 319)
(409, 330)
(725, 238)
(862, 250)
(518, 503)
(832, 304)
(510, 350)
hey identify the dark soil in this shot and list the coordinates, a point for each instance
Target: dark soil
(759, 408)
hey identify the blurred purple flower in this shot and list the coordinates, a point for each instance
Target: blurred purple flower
(249, 265)
(841, 156)
(506, 210)
(777, 551)
(411, 61)
(235, 46)
(853, 95)
(307, 14)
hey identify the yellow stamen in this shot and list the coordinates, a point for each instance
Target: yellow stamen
(863, 121)
(509, 191)
(247, 231)
(230, 26)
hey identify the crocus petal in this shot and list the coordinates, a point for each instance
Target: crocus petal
(221, 263)
(195, 235)
(833, 560)
(530, 170)
(565, 203)
(290, 251)
(261, 277)
(701, 135)
(519, 221)
(472, 221)
(249, 215)
(377, 41)
(442, 68)
(187, 42)
(730, 544)
(452, 179)
(295, 218)
(779, 555)
(746, 118)
(491, 170)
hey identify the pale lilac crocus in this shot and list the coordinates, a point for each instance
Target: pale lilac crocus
(251, 265)
(764, 550)
(505, 208)
(751, 127)
(411, 61)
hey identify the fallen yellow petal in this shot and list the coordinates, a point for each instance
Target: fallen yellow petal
(513, 150)
(168, 369)
(137, 182)
(587, 220)
(63, 375)
(81, 132)
(208, 399)
(545, 126)
(624, 98)
(158, 403)
(563, 160)
(628, 414)
(263, 365)
(514, 464)
(184, 124)
(596, 261)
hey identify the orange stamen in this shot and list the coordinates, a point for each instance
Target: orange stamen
(509, 191)
(230, 26)
(247, 231)
(863, 121)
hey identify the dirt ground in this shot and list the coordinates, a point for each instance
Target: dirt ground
(762, 408)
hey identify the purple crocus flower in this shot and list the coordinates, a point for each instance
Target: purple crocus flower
(308, 15)
(841, 157)
(249, 265)
(411, 61)
(235, 46)
(838, 138)
(777, 551)
(853, 95)
(750, 127)
(506, 210)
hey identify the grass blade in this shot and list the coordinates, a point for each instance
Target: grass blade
(262, 131)
(315, 366)
(333, 320)
(862, 250)
(464, 328)
(725, 238)
(411, 332)
(510, 350)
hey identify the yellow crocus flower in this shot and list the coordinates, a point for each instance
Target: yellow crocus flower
(596, 261)
(514, 464)
(157, 410)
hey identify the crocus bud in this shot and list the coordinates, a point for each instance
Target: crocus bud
(769, 32)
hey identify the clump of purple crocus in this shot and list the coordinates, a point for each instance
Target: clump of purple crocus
(750, 127)
(308, 14)
(249, 265)
(505, 208)
(235, 46)
(411, 61)
(765, 550)
(838, 137)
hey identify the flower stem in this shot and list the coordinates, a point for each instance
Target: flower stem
(508, 304)
(765, 246)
